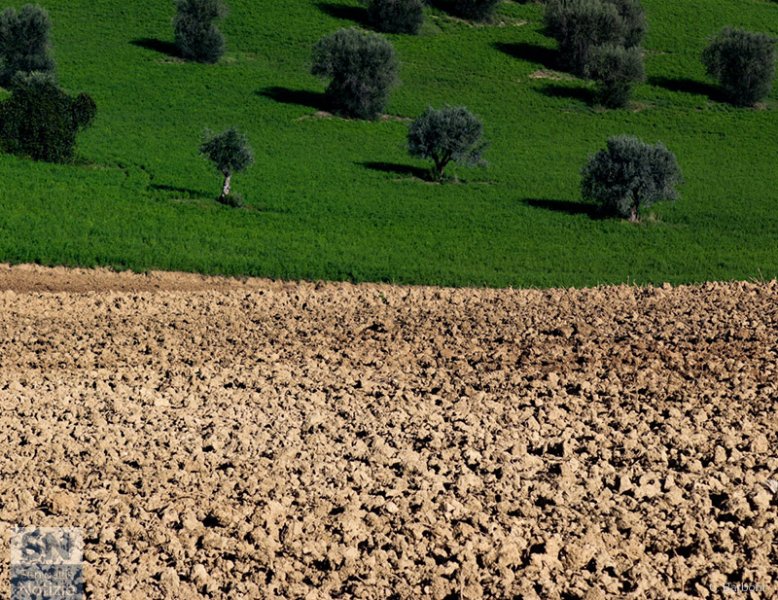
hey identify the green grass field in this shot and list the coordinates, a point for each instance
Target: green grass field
(337, 199)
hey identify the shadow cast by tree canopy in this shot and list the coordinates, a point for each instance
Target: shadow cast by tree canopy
(573, 93)
(688, 86)
(567, 207)
(346, 13)
(450, 8)
(155, 45)
(534, 53)
(316, 100)
(398, 169)
(180, 190)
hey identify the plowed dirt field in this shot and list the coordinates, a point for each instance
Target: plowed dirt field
(258, 439)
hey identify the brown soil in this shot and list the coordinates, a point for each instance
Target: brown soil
(257, 439)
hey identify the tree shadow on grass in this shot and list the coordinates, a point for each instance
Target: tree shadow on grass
(534, 53)
(398, 169)
(450, 8)
(688, 86)
(572, 93)
(567, 207)
(181, 190)
(316, 100)
(161, 46)
(345, 13)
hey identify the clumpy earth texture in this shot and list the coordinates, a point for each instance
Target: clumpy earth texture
(218, 438)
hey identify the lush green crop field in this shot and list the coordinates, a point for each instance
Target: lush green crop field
(337, 199)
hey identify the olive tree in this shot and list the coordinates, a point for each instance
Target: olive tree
(452, 133)
(744, 64)
(196, 34)
(616, 70)
(41, 121)
(25, 44)
(362, 67)
(230, 153)
(633, 22)
(396, 16)
(580, 25)
(630, 175)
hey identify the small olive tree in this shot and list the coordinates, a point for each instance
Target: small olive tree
(363, 67)
(744, 64)
(41, 121)
(616, 70)
(452, 133)
(630, 175)
(25, 44)
(230, 153)
(396, 16)
(196, 34)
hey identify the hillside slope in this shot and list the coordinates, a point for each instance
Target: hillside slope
(336, 199)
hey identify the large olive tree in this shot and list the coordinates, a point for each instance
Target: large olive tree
(362, 67)
(25, 44)
(452, 133)
(581, 25)
(40, 120)
(630, 175)
(616, 70)
(196, 34)
(744, 64)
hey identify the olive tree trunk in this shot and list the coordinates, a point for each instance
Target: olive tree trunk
(634, 215)
(227, 184)
(441, 162)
